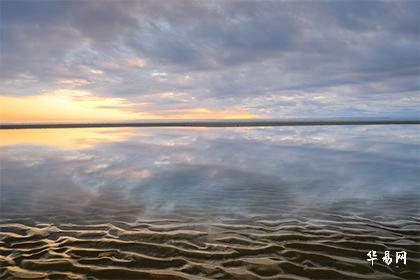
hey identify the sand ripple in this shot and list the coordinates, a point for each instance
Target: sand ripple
(329, 247)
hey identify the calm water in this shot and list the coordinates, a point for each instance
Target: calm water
(218, 203)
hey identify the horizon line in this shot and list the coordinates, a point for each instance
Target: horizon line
(214, 123)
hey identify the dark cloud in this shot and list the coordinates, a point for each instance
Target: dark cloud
(245, 51)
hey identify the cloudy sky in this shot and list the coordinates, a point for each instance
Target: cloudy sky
(117, 60)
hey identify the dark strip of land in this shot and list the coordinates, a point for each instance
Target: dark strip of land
(214, 123)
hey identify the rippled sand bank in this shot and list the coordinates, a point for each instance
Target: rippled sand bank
(330, 246)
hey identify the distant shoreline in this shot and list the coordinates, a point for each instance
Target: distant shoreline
(213, 123)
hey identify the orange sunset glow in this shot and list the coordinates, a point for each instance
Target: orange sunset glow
(63, 138)
(81, 106)
(62, 106)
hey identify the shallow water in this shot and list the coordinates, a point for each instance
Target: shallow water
(218, 203)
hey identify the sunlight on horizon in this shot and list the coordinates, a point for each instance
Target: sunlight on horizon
(80, 106)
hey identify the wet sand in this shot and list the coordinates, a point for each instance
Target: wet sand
(327, 246)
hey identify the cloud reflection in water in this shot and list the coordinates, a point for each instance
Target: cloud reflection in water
(223, 170)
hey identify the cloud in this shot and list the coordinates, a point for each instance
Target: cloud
(233, 53)
(135, 61)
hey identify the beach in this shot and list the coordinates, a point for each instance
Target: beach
(211, 203)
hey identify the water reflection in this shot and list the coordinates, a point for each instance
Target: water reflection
(63, 138)
(232, 171)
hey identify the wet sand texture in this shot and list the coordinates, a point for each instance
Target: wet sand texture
(329, 247)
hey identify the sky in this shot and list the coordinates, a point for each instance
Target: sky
(133, 60)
